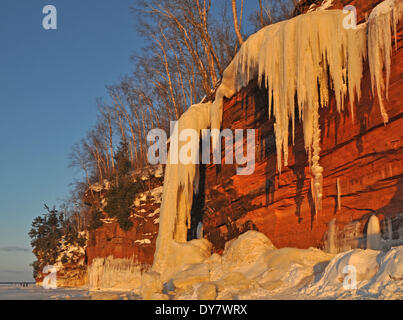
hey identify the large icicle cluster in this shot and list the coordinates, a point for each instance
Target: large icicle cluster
(299, 60)
(171, 247)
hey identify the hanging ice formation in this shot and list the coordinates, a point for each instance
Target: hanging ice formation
(381, 19)
(374, 234)
(172, 250)
(298, 60)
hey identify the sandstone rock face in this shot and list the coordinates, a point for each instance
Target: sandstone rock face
(362, 163)
(138, 243)
(245, 250)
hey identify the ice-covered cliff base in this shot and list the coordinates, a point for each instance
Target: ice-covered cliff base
(252, 268)
(114, 274)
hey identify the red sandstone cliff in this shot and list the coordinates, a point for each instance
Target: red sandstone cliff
(138, 243)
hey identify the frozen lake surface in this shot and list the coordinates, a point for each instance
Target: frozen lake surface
(33, 292)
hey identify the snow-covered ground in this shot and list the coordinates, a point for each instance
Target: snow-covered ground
(251, 267)
(34, 292)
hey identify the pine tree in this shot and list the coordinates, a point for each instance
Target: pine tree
(121, 195)
(46, 232)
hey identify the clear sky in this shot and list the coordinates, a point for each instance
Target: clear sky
(49, 82)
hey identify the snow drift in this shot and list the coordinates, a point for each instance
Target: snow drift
(379, 275)
(269, 273)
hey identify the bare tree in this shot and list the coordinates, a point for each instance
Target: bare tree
(237, 26)
(80, 159)
(186, 46)
(189, 43)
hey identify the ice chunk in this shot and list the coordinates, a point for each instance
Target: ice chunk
(374, 234)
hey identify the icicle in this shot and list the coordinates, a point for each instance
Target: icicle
(317, 170)
(356, 41)
(390, 230)
(338, 194)
(331, 236)
(384, 17)
(199, 233)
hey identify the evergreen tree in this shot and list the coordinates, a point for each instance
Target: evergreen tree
(46, 232)
(121, 195)
(95, 221)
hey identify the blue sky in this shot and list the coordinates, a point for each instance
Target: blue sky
(49, 82)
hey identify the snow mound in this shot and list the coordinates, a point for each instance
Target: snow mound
(291, 267)
(388, 282)
(375, 274)
(183, 254)
(364, 262)
(150, 284)
(190, 275)
(242, 253)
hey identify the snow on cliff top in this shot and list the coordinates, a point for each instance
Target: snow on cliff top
(326, 4)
